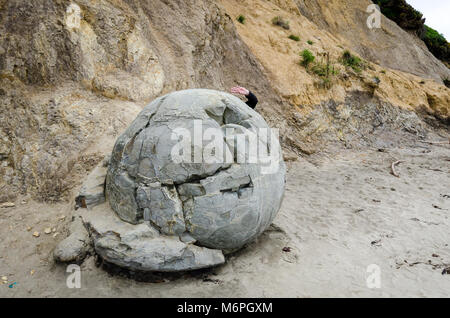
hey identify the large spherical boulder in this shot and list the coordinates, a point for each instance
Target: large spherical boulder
(187, 166)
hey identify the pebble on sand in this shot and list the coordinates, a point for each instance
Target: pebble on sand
(48, 230)
(36, 234)
(7, 205)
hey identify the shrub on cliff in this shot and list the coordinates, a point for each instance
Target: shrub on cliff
(348, 59)
(241, 19)
(403, 14)
(410, 19)
(437, 44)
(446, 82)
(307, 58)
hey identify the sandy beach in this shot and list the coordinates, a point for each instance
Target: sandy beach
(342, 215)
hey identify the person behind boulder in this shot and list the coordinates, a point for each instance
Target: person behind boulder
(251, 98)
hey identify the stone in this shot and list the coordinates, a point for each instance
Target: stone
(36, 234)
(74, 248)
(92, 190)
(7, 205)
(48, 230)
(187, 238)
(219, 204)
(142, 247)
(165, 208)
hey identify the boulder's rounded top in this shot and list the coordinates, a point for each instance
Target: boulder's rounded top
(188, 167)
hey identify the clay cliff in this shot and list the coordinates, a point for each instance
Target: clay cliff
(74, 74)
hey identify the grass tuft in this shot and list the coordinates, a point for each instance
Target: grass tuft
(307, 58)
(348, 59)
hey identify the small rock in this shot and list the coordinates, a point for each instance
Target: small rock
(7, 205)
(290, 157)
(29, 228)
(36, 234)
(48, 230)
(287, 249)
(32, 272)
(54, 229)
(92, 190)
(435, 255)
(4, 278)
(62, 217)
(376, 243)
(74, 247)
(186, 238)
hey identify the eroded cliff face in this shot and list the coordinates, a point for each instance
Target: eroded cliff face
(74, 74)
(356, 98)
(389, 46)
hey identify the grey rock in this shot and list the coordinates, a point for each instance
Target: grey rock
(222, 204)
(191, 190)
(92, 191)
(165, 210)
(142, 247)
(231, 179)
(187, 238)
(74, 248)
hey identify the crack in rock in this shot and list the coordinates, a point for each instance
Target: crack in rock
(192, 211)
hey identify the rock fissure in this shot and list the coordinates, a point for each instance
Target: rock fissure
(161, 215)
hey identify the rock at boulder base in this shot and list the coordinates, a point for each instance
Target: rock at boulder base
(141, 247)
(75, 247)
(92, 190)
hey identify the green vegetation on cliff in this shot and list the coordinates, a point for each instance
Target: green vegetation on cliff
(437, 44)
(410, 19)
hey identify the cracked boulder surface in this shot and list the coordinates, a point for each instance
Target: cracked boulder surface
(220, 205)
(142, 247)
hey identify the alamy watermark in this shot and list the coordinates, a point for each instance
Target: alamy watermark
(230, 144)
(74, 278)
(373, 279)
(374, 19)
